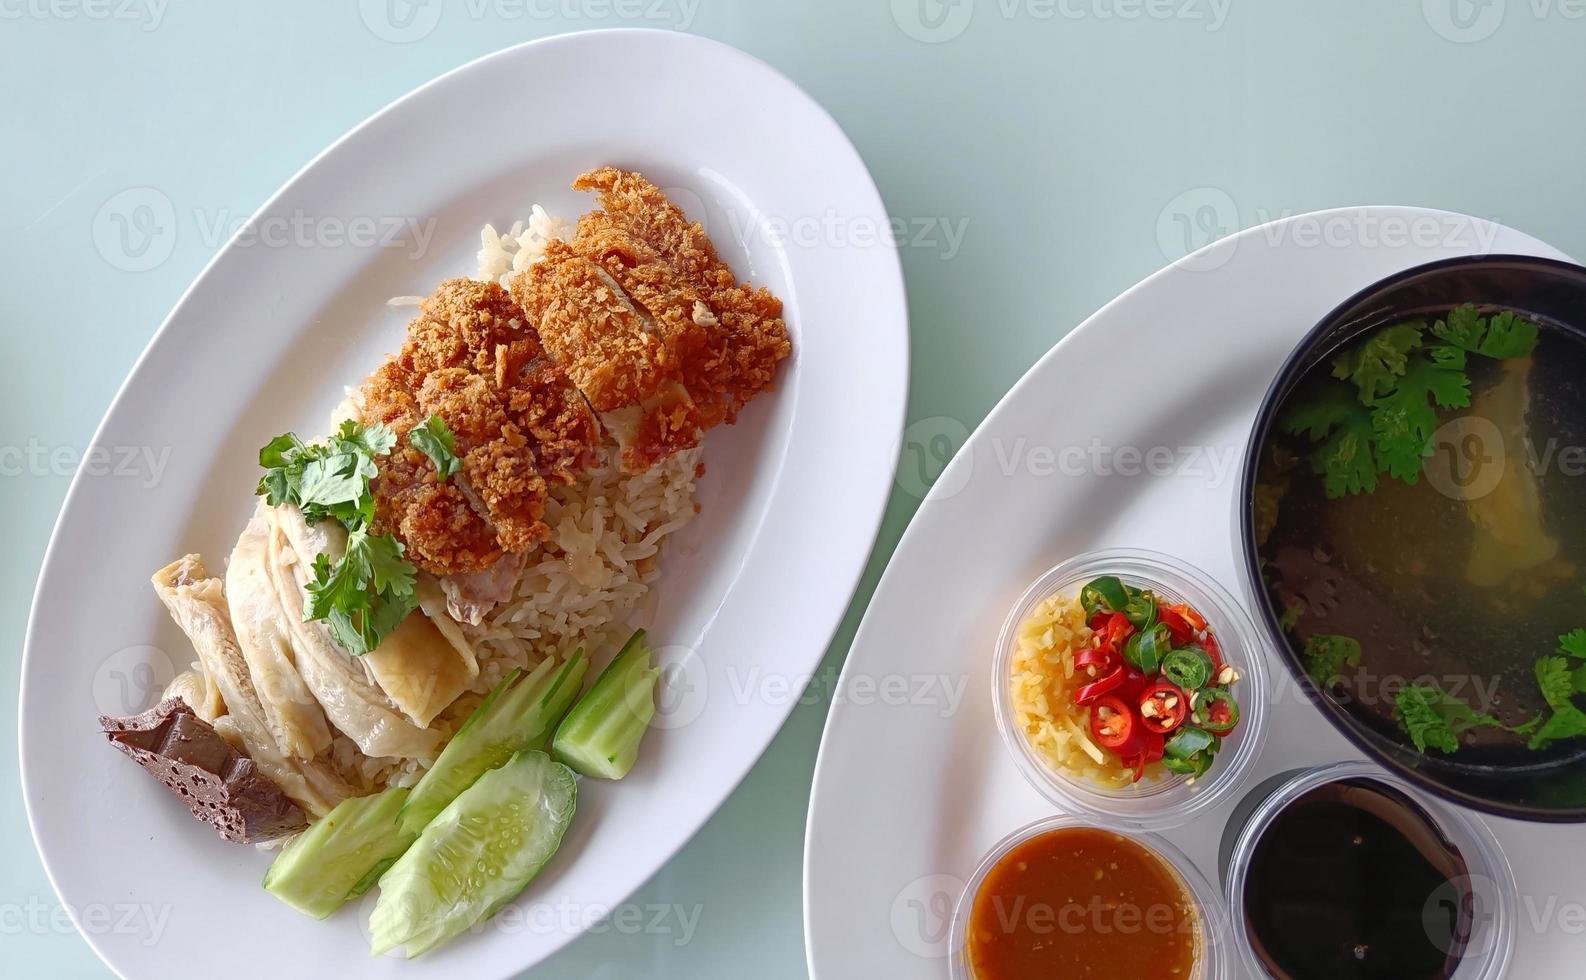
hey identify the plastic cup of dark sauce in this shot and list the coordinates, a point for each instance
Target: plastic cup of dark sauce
(1346, 872)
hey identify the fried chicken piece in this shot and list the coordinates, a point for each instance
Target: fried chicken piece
(471, 359)
(649, 322)
(498, 461)
(442, 530)
(747, 336)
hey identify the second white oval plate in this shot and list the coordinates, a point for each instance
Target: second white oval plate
(264, 341)
(1128, 433)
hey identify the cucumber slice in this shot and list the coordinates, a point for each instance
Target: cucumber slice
(600, 736)
(520, 713)
(476, 855)
(341, 856)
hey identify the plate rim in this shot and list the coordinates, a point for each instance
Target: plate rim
(870, 513)
(1207, 256)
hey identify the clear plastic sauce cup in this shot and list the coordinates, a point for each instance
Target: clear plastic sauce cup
(1171, 800)
(1214, 959)
(1489, 884)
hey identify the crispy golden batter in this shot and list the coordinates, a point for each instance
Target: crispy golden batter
(471, 359)
(591, 329)
(747, 335)
(435, 520)
(649, 322)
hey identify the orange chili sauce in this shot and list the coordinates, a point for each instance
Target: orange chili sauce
(1081, 902)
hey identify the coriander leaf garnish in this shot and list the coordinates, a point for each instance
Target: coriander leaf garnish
(366, 594)
(369, 591)
(1327, 655)
(1573, 643)
(1560, 680)
(1402, 379)
(434, 439)
(1405, 418)
(1345, 458)
(1435, 718)
(1566, 722)
(1504, 335)
(1376, 365)
(325, 479)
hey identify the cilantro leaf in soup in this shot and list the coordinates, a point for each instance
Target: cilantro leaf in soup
(1346, 461)
(1404, 420)
(1434, 718)
(1573, 643)
(434, 439)
(1375, 366)
(1396, 383)
(1566, 722)
(1503, 335)
(1554, 678)
(1327, 656)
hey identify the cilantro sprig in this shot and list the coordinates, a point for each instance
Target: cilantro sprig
(1561, 678)
(433, 437)
(1435, 719)
(328, 479)
(1327, 657)
(366, 593)
(1402, 377)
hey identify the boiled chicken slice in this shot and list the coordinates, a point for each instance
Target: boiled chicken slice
(417, 667)
(1510, 534)
(195, 689)
(353, 702)
(197, 602)
(295, 716)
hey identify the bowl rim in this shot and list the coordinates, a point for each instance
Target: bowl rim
(1248, 558)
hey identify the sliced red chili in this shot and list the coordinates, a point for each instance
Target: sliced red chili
(1151, 750)
(1178, 627)
(1133, 683)
(1211, 647)
(1105, 685)
(1115, 632)
(1155, 747)
(1097, 657)
(1186, 612)
(1163, 707)
(1112, 724)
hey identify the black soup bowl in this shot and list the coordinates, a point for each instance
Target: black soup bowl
(1440, 578)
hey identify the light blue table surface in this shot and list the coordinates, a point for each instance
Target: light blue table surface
(1048, 153)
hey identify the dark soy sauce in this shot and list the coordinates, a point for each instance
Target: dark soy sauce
(1354, 880)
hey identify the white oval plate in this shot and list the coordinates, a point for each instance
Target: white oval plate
(266, 338)
(908, 797)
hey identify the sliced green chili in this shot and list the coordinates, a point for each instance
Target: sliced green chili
(1105, 594)
(1190, 667)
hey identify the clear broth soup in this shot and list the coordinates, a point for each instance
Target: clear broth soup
(1465, 578)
